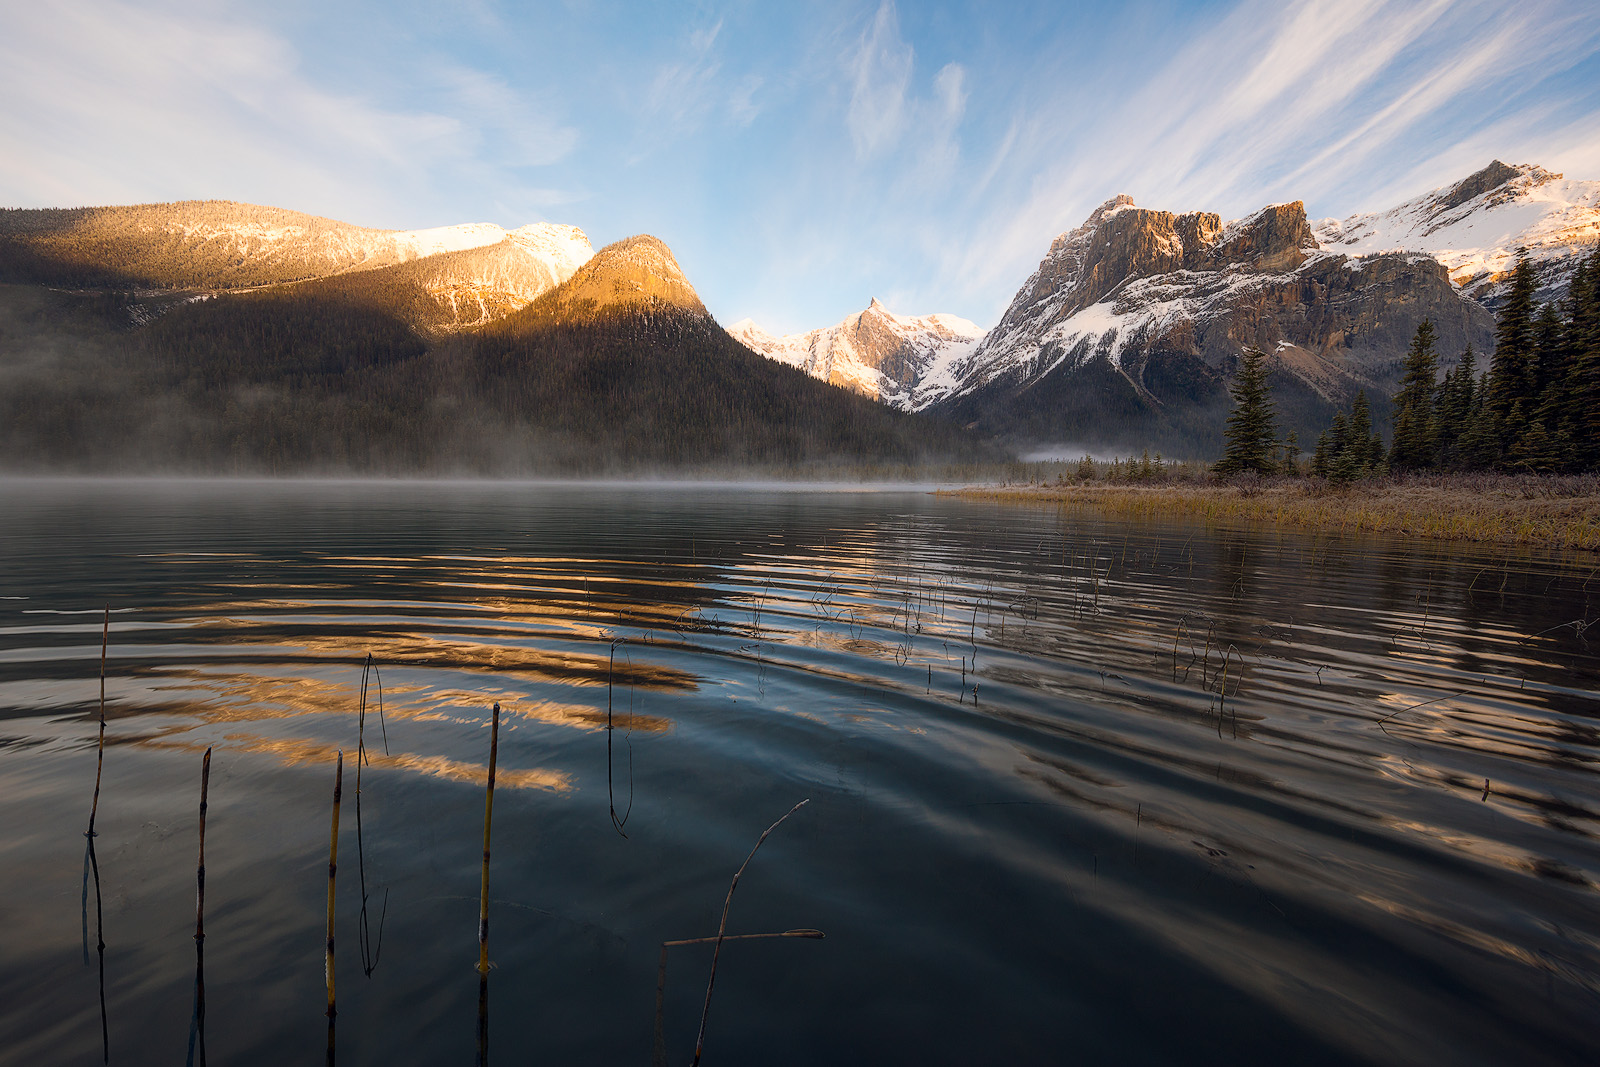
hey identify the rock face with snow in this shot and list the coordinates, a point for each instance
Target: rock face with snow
(1129, 328)
(451, 291)
(1475, 227)
(211, 244)
(441, 279)
(876, 353)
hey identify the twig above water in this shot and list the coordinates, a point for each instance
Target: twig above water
(722, 927)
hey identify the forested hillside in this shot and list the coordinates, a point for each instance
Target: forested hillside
(302, 381)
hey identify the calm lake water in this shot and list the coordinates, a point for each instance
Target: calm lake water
(1080, 790)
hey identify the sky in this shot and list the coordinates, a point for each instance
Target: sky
(800, 159)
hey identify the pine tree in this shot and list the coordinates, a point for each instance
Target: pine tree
(1580, 400)
(1479, 446)
(1511, 369)
(1452, 408)
(1549, 351)
(1249, 434)
(1415, 436)
(1290, 463)
(1361, 436)
(1323, 456)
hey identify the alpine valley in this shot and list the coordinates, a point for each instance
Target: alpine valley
(230, 338)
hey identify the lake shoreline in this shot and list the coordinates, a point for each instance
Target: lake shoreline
(1527, 511)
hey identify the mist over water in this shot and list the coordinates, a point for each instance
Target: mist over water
(1080, 789)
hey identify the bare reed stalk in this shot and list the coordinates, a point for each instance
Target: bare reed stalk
(722, 928)
(100, 759)
(200, 869)
(333, 870)
(659, 1057)
(100, 938)
(488, 818)
(197, 1027)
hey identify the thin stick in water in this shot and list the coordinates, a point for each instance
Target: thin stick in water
(333, 870)
(722, 928)
(483, 897)
(100, 759)
(659, 1056)
(197, 1025)
(488, 818)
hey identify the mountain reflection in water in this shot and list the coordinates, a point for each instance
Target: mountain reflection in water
(1088, 789)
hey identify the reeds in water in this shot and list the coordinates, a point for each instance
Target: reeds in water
(371, 948)
(722, 928)
(91, 863)
(333, 871)
(659, 1059)
(483, 896)
(100, 759)
(197, 1024)
(617, 822)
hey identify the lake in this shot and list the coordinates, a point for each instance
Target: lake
(1078, 789)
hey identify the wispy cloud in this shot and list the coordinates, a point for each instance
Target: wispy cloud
(1315, 101)
(799, 159)
(160, 101)
(880, 72)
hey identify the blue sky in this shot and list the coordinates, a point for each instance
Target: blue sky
(800, 159)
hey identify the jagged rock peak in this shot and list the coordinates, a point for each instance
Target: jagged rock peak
(1278, 237)
(637, 269)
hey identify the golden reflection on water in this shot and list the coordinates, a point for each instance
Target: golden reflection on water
(297, 751)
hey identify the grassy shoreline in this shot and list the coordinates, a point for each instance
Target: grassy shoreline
(1543, 512)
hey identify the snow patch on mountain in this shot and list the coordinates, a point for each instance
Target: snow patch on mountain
(1475, 226)
(876, 353)
(415, 244)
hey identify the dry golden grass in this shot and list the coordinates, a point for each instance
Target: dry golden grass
(1542, 512)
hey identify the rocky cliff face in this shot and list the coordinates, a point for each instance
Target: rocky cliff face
(876, 353)
(1131, 325)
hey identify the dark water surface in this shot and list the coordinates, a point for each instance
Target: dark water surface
(1081, 791)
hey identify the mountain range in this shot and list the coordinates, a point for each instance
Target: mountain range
(215, 335)
(233, 339)
(1126, 334)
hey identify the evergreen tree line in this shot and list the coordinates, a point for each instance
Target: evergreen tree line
(1535, 409)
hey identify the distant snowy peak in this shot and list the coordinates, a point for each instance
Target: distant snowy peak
(1475, 226)
(876, 353)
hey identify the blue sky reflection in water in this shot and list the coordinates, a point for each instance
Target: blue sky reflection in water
(1037, 828)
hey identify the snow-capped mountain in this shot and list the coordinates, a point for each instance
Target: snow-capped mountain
(440, 279)
(462, 290)
(876, 353)
(481, 284)
(218, 244)
(1129, 327)
(1475, 226)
